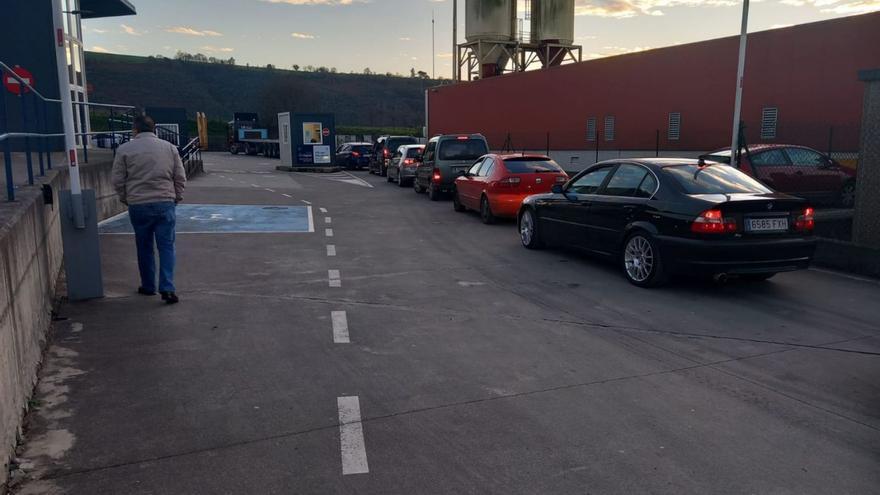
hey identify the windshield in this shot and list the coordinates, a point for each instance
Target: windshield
(395, 143)
(714, 179)
(414, 152)
(364, 148)
(520, 166)
(463, 149)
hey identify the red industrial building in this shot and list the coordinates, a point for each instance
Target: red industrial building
(801, 86)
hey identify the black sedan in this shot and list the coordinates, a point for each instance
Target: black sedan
(354, 155)
(661, 216)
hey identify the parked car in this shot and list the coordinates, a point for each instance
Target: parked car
(404, 162)
(354, 155)
(797, 170)
(497, 184)
(445, 157)
(384, 148)
(658, 217)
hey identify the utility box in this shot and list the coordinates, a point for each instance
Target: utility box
(307, 139)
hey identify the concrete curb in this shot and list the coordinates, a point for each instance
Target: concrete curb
(849, 257)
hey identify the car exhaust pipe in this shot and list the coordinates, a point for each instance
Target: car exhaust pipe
(721, 278)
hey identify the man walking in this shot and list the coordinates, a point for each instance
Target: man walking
(149, 178)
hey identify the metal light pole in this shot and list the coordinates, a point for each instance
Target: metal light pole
(737, 106)
(433, 50)
(78, 208)
(67, 113)
(455, 62)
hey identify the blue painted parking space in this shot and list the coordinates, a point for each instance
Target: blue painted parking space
(228, 219)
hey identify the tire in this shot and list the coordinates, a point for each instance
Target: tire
(400, 181)
(486, 211)
(433, 193)
(641, 261)
(383, 171)
(848, 195)
(456, 203)
(529, 234)
(418, 188)
(388, 177)
(756, 277)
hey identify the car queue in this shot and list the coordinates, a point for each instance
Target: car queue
(653, 217)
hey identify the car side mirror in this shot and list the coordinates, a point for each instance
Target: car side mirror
(557, 189)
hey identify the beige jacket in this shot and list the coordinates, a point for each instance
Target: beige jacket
(148, 170)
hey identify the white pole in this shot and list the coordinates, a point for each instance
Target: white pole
(740, 69)
(67, 113)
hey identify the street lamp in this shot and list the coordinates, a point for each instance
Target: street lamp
(737, 106)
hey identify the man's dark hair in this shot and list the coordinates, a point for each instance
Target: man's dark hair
(144, 123)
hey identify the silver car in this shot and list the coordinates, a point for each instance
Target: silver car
(404, 162)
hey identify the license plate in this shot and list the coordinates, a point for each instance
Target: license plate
(766, 224)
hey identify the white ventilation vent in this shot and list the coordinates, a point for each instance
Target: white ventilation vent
(609, 128)
(674, 131)
(591, 129)
(769, 119)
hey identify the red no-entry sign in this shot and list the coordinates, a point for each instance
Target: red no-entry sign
(13, 85)
(326, 132)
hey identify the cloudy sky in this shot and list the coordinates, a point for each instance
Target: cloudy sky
(395, 35)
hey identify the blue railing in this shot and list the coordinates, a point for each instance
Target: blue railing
(34, 114)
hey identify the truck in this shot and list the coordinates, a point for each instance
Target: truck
(245, 135)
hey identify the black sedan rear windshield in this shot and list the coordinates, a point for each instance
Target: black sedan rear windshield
(462, 149)
(714, 179)
(519, 166)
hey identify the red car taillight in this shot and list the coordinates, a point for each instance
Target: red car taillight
(509, 182)
(355, 154)
(436, 175)
(713, 222)
(386, 152)
(408, 161)
(806, 221)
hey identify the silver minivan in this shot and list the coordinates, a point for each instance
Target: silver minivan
(445, 157)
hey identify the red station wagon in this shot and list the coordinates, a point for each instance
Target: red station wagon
(497, 184)
(799, 171)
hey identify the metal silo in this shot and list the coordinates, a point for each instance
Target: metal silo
(553, 28)
(489, 28)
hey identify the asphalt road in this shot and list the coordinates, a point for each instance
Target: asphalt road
(463, 363)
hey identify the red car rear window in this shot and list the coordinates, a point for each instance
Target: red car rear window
(520, 166)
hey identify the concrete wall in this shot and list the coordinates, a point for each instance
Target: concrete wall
(866, 224)
(30, 262)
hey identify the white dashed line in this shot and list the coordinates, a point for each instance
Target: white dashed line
(254, 185)
(331, 250)
(328, 232)
(286, 195)
(306, 202)
(323, 210)
(340, 327)
(77, 327)
(351, 436)
(270, 190)
(335, 278)
(328, 220)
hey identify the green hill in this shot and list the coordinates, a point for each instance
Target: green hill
(219, 90)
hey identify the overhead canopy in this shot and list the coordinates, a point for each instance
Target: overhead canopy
(93, 9)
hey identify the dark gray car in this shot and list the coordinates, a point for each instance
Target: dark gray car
(445, 157)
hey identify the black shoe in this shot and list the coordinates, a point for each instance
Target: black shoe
(170, 298)
(145, 292)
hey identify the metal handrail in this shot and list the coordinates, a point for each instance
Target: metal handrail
(42, 138)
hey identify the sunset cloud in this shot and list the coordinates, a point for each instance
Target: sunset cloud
(192, 32)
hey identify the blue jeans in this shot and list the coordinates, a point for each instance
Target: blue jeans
(154, 222)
